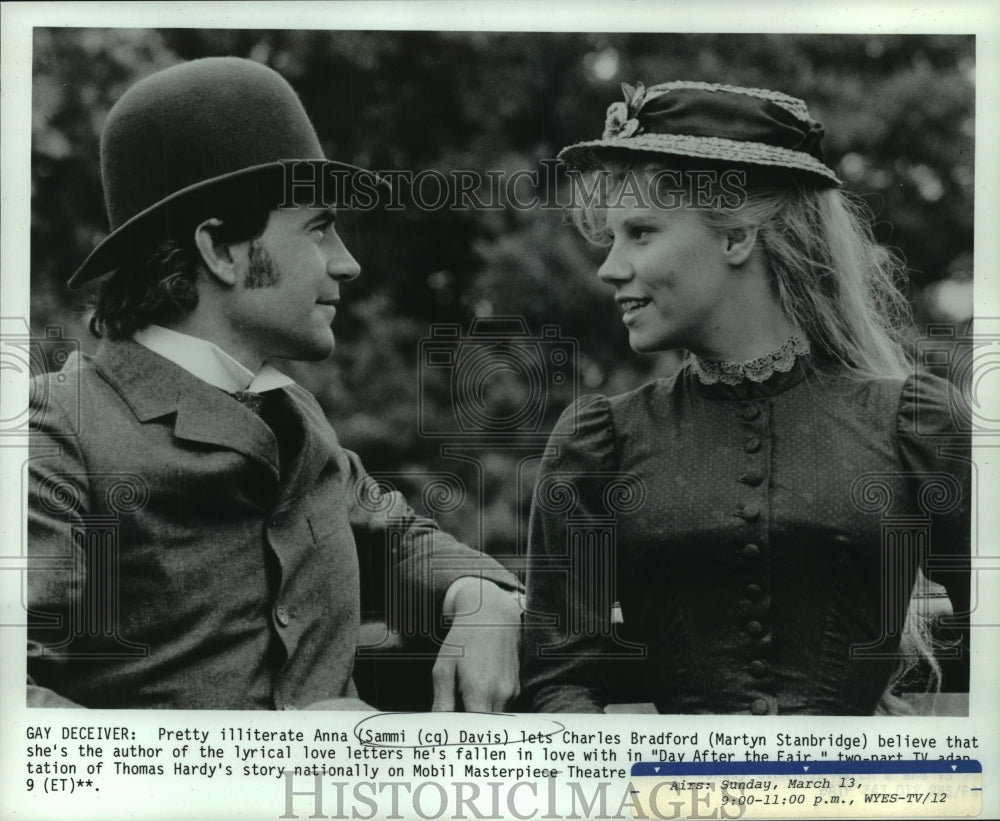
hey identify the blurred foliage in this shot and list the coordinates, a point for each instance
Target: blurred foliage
(900, 123)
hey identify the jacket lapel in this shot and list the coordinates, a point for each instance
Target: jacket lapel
(154, 387)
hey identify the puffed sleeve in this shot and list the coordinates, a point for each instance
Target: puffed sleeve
(935, 451)
(562, 650)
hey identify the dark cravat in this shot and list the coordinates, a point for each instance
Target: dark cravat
(249, 399)
(272, 408)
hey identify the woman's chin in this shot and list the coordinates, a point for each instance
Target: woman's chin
(644, 343)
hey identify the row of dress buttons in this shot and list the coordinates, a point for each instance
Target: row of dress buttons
(750, 413)
(753, 591)
(750, 512)
(752, 478)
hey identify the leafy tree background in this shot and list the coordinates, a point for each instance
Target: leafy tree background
(900, 123)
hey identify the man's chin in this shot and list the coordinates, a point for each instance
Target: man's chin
(320, 353)
(314, 353)
(322, 346)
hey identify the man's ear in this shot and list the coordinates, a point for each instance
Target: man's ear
(220, 258)
(740, 243)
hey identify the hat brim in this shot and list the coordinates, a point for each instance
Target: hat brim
(587, 156)
(107, 256)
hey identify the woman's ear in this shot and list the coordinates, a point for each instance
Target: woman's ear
(740, 243)
(220, 258)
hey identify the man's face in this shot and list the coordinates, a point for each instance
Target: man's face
(285, 300)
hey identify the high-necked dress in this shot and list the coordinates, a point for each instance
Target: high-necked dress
(761, 529)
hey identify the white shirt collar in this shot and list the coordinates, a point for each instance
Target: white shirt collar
(209, 362)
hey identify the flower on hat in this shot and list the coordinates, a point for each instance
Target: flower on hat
(617, 122)
(622, 119)
(635, 97)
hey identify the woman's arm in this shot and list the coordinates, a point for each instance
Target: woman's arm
(935, 450)
(567, 633)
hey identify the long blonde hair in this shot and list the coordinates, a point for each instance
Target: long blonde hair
(832, 280)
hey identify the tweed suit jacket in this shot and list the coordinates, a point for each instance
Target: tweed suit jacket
(182, 559)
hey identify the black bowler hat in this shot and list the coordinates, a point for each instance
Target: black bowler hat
(198, 125)
(708, 121)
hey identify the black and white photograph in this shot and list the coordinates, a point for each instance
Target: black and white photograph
(382, 395)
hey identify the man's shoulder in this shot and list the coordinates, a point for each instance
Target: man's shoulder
(314, 414)
(86, 387)
(66, 378)
(55, 397)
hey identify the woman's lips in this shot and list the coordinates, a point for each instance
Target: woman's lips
(631, 306)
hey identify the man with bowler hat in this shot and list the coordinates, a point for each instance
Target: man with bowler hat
(198, 537)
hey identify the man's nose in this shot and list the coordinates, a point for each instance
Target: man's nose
(341, 265)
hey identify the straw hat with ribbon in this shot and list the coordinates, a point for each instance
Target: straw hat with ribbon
(714, 122)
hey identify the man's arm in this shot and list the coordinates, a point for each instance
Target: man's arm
(455, 585)
(56, 497)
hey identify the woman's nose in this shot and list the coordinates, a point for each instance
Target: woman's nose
(615, 268)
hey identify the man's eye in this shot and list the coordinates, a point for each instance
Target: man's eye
(639, 231)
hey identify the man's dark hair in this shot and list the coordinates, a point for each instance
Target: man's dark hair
(156, 279)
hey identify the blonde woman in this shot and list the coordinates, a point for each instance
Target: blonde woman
(785, 487)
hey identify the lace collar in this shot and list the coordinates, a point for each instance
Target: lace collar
(755, 370)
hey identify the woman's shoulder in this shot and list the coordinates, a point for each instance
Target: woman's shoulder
(931, 407)
(907, 394)
(603, 403)
(618, 409)
(917, 409)
(652, 394)
(598, 421)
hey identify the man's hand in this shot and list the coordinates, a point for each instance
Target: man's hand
(486, 630)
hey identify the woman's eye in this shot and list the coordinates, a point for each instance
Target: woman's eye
(639, 231)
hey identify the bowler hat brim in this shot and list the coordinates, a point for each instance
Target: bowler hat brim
(113, 250)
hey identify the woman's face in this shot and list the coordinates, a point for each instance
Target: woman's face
(671, 277)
